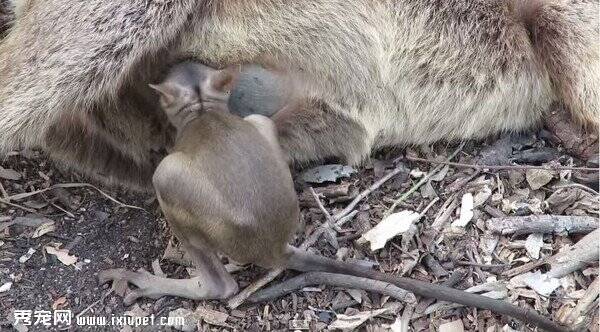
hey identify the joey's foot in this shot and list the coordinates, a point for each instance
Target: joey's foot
(151, 286)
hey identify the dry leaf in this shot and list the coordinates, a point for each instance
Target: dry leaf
(5, 225)
(44, 228)
(327, 173)
(534, 244)
(35, 204)
(427, 191)
(212, 317)
(344, 322)
(190, 323)
(62, 255)
(541, 283)
(560, 200)
(538, 178)
(136, 311)
(31, 220)
(482, 196)
(389, 227)
(491, 286)
(355, 294)
(439, 176)
(6, 287)
(9, 174)
(466, 211)
(59, 303)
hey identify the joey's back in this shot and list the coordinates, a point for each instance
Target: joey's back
(223, 181)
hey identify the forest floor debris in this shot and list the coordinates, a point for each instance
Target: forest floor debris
(527, 235)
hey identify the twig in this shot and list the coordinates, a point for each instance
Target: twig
(95, 303)
(542, 224)
(319, 203)
(503, 167)
(73, 185)
(407, 315)
(445, 213)
(312, 238)
(5, 201)
(424, 211)
(3, 191)
(421, 182)
(347, 218)
(582, 253)
(576, 185)
(457, 276)
(584, 304)
(483, 266)
(332, 279)
(524, 268)
(58, 207)
(242, 296)
(326, 213)
(73, 243)
(575, 257)
(434, 266)
(494, 212)
(367, 192)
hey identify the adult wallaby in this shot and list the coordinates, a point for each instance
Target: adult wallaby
(74, 73)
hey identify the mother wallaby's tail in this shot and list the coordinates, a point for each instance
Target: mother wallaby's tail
(566, 38)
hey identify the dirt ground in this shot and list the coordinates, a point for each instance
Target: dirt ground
(103, 234)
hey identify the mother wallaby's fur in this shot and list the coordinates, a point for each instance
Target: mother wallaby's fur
(73, 73)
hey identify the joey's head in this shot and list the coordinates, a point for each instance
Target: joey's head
(179, 102)
(191, 88)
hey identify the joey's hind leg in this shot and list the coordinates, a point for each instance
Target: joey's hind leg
(212, 281)
(313, 131)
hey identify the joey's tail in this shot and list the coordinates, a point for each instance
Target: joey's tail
(305, 261)
(566, 40)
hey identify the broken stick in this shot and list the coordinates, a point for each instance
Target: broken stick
(542, 224)
(574, 258)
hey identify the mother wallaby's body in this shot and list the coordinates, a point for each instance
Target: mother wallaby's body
(378, 72)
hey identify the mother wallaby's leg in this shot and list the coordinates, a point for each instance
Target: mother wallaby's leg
(71, 74)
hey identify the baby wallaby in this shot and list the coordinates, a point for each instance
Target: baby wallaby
(227, 188)
(224, 188)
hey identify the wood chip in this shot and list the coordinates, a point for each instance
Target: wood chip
(466, 211)
(388, 228)
(454, 326)
(9, 174)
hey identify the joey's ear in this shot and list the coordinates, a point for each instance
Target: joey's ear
(223, 80)
(168, 92)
